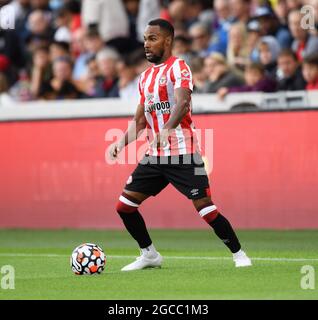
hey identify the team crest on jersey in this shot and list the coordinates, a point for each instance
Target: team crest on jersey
(163, 80)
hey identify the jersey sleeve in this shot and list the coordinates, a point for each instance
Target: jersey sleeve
(141, 99)
(181, 75)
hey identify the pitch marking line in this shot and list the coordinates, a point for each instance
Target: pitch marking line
(48, 255)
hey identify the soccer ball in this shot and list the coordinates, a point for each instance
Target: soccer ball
(88, 258)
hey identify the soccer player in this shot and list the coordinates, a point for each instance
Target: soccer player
(173, 155)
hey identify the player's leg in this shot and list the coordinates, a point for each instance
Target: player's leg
(127, 208)
(192, 181)
(222, 228)
(145, 181)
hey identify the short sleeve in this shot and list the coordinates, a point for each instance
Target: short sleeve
(181, 75)
(141, 92)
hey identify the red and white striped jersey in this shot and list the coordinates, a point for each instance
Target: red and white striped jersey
(156, 88)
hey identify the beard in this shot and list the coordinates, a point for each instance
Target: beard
(155, 58)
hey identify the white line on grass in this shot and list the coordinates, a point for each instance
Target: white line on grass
(50, 255)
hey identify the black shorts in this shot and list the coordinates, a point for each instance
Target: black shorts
(186, 173)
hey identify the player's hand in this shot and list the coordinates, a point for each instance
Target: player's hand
(114, 150)
(161, 139)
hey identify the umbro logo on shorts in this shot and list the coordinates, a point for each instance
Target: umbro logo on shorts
(194, 192)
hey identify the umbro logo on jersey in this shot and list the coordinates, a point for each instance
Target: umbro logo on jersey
(185, 73)
(163, 107)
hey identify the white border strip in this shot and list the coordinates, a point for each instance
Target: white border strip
(128, 202)
(207, 210)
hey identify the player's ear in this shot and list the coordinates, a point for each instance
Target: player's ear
(169, 41)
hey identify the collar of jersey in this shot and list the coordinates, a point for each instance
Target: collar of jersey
(163, 63)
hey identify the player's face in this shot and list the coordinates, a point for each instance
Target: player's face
(155, 43)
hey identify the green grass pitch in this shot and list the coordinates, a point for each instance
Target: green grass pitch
(196, 265)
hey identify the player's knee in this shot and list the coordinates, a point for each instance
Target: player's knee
(208, 212)
(127, 204)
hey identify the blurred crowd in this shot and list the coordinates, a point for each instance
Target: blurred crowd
(72, 49)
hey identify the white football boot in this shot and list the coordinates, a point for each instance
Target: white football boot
(145, 261)
(241, 259)
(149, 258)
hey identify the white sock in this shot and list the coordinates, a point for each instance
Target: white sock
(238, 253)
(151, 250)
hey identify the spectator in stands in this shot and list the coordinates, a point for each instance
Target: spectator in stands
(77, 43)
(201, 39)
(255, 80)
(269, 25)
(310, 71)
(107, 84)
(289, 72)
(269, 49)
(59, 49)
(281, 11)
(129, 70)
(88, 83)
(73, 7)
(40, 5)
(175, 13)
(182, 48)
(11, 55)
(61, 85)
(62, 23)
(198, 74)
(131, 7)
(240, 10)
(237, 50)
(293, 4)
(221, 25)
(253, 37)
(141, 62)
(21, 90)
(40, 32)
(198, 11)
(41, 69)
(93, 43)
(128, 81)
(108, 15)
(219, 74)
(304, 44)
(148, 10)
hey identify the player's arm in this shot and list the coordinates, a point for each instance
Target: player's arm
(135, 129)
(182, 107)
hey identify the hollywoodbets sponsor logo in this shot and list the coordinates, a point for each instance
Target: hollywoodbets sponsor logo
(161, 107)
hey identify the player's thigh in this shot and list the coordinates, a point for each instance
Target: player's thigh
(146, 180)
(190, 179)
